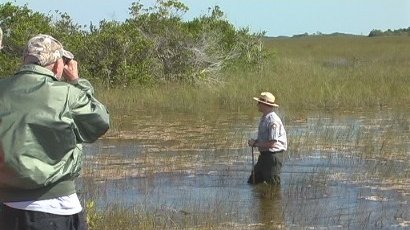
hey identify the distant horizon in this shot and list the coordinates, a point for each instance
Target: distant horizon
(336, 33)
(277, 18)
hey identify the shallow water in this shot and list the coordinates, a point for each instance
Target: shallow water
(341, 171)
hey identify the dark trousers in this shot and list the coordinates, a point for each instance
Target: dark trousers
(17, 219)
(267, 169)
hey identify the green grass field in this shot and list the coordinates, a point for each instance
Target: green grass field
(312, 73)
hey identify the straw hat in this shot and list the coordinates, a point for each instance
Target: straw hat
(267, 99)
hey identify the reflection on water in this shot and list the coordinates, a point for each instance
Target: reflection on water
(345, 171)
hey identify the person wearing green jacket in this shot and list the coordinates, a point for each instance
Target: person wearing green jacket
(46, 112)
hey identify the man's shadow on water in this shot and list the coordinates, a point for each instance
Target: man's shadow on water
(268, 206)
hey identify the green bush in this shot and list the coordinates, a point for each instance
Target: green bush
(154, 45)
(18, 24)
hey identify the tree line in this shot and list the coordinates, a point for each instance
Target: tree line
(373, 33)
(153, 45)
(389, 32)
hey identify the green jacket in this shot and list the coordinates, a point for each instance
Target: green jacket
(43, 123)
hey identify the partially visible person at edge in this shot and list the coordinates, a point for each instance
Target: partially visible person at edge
(1, 38)
(46, 111)
(271, 142)
(1, 147)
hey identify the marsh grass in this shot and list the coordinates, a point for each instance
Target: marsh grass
(320, 73)
(327, 158)
(347, 166)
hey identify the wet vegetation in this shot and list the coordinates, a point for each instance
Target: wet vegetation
(341, 171)
(181, 149)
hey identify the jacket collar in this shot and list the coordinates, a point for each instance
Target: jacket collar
(36, 69)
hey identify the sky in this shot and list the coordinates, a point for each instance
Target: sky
(275, 17)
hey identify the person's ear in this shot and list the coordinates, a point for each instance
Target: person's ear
(58, 68)
(55, 68)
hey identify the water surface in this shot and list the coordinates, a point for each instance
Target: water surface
(341, 171)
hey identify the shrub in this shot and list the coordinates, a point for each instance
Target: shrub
(154, 45)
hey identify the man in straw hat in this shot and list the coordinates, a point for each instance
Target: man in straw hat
(46, 111)
(271, 141)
